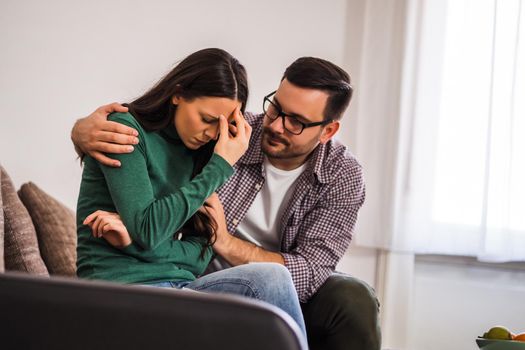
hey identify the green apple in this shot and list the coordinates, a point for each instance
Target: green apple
(498, 332)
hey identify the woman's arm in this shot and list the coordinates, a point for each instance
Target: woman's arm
(150, 220)
(109, 226)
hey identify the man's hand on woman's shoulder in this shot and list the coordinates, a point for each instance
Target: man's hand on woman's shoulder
(95, 135)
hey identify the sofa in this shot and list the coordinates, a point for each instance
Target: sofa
(49, 307)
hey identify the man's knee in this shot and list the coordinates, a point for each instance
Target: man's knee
(352, 296)
(345, 310)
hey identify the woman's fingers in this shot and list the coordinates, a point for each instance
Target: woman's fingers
(109, 226)
(223, 129)
(90, 218)
(239, 123)
(95, 226)
(233, 129)
(116, 234)
(231, 148)
(98, 219)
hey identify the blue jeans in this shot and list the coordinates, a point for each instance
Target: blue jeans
(269, 282)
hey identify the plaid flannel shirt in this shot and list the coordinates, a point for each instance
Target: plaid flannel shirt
(318, 223)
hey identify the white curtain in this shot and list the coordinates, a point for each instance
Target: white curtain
(463, 192)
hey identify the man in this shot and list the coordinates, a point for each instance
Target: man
(293, 199)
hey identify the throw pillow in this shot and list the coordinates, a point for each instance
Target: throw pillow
(2, 266)
(55, 226)
(21, 251)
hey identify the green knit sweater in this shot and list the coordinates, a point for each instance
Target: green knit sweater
(153, 194)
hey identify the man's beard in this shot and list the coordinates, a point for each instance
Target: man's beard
(285, 153)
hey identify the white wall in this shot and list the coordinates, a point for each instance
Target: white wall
(455, 302)
(61, 59)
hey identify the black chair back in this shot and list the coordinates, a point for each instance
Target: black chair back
(62, 313)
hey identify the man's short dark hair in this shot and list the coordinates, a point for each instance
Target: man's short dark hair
(316, 73)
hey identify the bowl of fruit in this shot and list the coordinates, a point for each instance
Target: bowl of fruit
(500, 338)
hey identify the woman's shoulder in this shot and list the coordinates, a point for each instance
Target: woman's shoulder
(126, 119)
(129, 120)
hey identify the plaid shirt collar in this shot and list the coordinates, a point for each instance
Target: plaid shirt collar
(254, 154)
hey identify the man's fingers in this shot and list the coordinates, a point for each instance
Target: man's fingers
(103, 159)
(213, 198)
(203, 209)
(113, 148)
(114, 137)
(119, 128)
(213, 202)
(113, 107)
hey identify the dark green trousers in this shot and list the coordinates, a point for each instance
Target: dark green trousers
(343, 314)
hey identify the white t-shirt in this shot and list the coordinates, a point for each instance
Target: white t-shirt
(261, 225)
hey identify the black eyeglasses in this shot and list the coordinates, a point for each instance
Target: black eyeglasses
(290, 122)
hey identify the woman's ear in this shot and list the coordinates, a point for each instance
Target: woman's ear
(329, 131)
(176, 97)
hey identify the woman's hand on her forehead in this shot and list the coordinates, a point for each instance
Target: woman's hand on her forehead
(233, 138)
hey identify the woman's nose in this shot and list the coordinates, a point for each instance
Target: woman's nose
(212, 133)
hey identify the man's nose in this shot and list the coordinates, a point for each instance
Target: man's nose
(277, 125)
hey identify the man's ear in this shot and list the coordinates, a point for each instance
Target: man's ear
(329, 131)
(175, 100)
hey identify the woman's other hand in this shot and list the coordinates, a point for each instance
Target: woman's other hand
(109, 226)
(215, 209)
(232, 145)
(95, 135)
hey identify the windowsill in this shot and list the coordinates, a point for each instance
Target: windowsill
(468, 261)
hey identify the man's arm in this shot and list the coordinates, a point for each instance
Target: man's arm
(237, 251)
(95, 135)
(234, 250)
(323, 236)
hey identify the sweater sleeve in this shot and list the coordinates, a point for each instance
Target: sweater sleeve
(149, 220)
(186, 254)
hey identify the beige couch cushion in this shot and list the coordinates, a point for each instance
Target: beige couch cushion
(21, 251)
(55, 227)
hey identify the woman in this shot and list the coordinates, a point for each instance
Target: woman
(186, 150)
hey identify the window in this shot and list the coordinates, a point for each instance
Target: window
(465, 191)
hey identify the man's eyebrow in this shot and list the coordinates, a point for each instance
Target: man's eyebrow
(291, 114)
